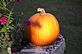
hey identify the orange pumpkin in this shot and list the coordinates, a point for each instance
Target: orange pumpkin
(44, 28)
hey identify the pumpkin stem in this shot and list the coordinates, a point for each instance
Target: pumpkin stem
(41, 10)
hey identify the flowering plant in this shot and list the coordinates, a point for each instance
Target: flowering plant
(6, 26)
(3, 20)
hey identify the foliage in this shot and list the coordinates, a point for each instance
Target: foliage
(6, 25)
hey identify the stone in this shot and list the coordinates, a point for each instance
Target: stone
(56, 47)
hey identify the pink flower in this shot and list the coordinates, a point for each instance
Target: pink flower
(3, 20)
(18, 1)
(13, 50)
(27, 22)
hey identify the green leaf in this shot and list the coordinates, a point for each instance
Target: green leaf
(11, 27)
(3, 30)
(4, 4)
(2, 36)
(0, 15)
(10, 21)
(0, 3)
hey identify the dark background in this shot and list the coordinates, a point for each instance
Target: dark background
(68, 13)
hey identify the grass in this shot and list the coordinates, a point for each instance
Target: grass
(68, 13)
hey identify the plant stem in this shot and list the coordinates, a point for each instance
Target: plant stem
(9, 16)
(41, 10)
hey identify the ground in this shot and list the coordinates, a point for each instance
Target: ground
(68, 13)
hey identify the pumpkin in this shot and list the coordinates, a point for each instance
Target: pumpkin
(43, 28)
